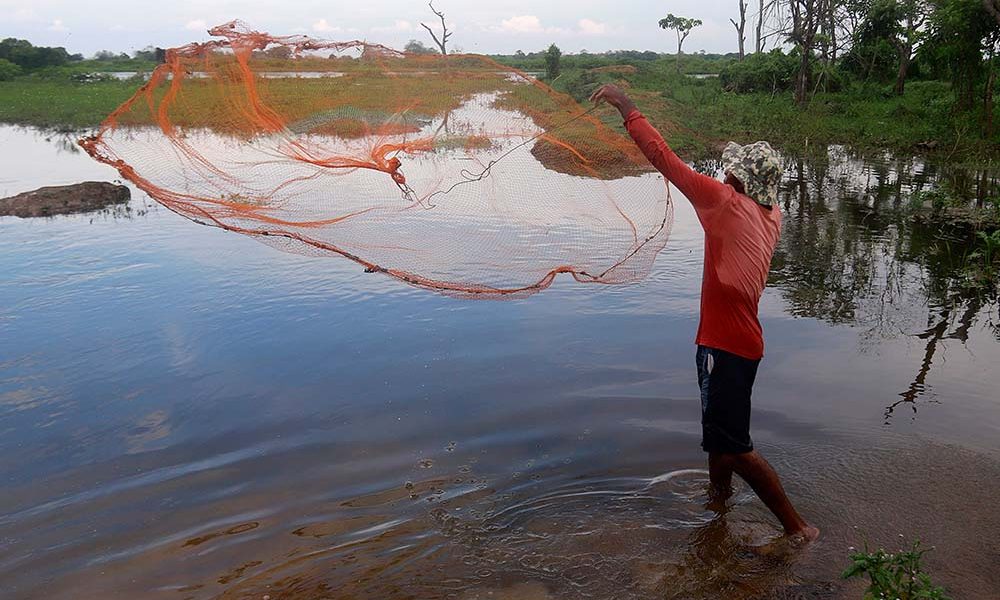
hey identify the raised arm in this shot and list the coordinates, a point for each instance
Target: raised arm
(701, 190)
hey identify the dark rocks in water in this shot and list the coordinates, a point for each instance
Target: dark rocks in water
(65, 199)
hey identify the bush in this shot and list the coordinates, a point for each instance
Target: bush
(8, 70)
(770, 72)
(896, 576)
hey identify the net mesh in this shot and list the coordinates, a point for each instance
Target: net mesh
(453, 173)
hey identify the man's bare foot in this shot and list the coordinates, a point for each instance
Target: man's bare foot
(787, 545)
(717, 496)
(804, 536)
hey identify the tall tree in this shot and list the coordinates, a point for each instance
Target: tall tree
(741, 27)
(553, 57)
(807, 15)
(960, 32)
(683, 27)
(911, 15)
(445, 34)
(772, 21)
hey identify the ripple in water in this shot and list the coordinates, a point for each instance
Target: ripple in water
(611, 537)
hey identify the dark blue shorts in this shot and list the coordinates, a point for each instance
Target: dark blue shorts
(726, 383)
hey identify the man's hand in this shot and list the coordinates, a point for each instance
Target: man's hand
(614, 96)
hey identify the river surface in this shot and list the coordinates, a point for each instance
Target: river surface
(187, 413)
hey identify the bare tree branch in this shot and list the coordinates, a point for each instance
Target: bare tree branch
(445, 34)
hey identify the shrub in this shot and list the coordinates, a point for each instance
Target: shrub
(8, 70)
(894, 576)
(770, 72)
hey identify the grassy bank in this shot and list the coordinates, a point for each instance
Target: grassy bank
(698, 115)
(59, 103)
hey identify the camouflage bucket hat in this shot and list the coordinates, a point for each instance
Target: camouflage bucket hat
(758, 167)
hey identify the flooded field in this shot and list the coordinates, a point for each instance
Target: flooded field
(187, 413)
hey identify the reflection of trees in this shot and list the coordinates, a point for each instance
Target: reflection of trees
(933, 335)
(849, 255)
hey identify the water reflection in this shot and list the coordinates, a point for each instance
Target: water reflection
(851, 253)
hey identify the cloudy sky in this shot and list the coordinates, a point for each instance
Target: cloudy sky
(495, 26)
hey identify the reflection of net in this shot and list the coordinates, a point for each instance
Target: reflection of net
(453, 173)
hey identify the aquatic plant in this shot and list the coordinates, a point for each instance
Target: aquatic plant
(990, 246)
(895, 576)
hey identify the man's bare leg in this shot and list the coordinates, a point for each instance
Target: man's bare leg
(720, 476)
(758, 473)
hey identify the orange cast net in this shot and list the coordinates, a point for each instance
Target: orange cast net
(453, 173)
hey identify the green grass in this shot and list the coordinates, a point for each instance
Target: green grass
(696, 116)
(60, 104)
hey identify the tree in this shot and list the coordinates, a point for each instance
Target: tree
(993, 7)
(417, 47)
(769, 14)
(741, 27)
(279, 52)
(553, 57)
(960, 31)
(807, 16)
(683, 27)
(148, 53)
(872, 54)
(445, 34)
(910, 18)
(27, 57)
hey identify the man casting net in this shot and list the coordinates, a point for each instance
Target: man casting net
(453, 173)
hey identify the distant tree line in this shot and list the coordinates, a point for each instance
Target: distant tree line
(18, 57)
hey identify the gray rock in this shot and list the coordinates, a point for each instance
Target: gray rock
(65, 199)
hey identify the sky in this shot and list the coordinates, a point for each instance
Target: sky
(496, 26)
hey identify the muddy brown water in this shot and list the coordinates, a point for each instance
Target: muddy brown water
(186, 413)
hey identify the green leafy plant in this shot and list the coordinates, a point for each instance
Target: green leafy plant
(894, 576)
(989, 248)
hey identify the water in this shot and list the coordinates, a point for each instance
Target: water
(186, 413)
(124, 75)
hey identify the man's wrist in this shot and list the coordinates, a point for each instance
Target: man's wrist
(626, 108)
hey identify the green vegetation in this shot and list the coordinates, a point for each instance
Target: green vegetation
(8, 70)
(60, 104)
(896, 576)
(754, 99)
(553, 58)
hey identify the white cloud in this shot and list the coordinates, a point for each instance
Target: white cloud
(399, 25)
(23, 14)
(196, 25)
(525, 24)
(591, 27)
(530, 24)
(324, 27)
(57, 25)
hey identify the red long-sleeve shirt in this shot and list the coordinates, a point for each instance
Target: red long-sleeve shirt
(740, 236)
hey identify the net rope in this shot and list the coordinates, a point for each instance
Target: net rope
(452, 173)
